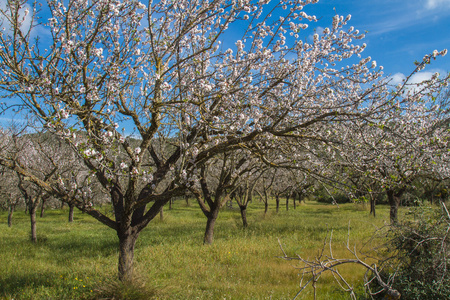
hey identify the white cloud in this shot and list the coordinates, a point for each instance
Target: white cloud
(414, 81)
(421, 76)
(432, 4)
(397, 78)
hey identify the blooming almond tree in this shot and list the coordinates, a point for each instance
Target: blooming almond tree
(408, 144)
(167, 74)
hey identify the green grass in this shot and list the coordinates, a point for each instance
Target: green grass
(79, 260)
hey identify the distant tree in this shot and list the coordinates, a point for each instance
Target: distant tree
(42, 156)
(218, 181)
(402, 148)
(244, 192)
(10, 195)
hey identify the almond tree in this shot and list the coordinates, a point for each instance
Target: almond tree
(10, 195)
(409, 144)
(168, 73)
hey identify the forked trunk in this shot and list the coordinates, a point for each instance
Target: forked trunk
(33, 234)
(127, 241)
(243, 209)
(71, 209)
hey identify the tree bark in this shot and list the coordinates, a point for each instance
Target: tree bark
(394, 201)
(277, 200)
(32, 210)
(210, 223)
(294, 199)
(10, 214)
(71, 209)
(243, 209)
(42, 207)
(372, 205)
(161, 214)
(209, 232)
(287, 202)
(127, 241)
(266, 207)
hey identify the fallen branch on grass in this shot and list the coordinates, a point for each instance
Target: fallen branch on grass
(328, 263)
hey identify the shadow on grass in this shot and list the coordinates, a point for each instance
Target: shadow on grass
(34, 285)
(80, 247)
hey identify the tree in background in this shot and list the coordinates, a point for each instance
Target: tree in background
(10, 196)
(42, 156)
(411, 143)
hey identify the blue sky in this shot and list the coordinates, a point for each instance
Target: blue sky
(399, 31)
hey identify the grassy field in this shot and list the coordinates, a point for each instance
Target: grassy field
(78, 260)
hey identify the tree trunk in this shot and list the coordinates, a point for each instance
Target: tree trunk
(10, 214)
(394, 201)
(243, 209)
(287, 202)
(372, 205)
(266, 206)
(277, 200)
(127, 241)
(170, 203)
(186, 198)
(42, 207)
(209, 231)
(161, 214)
(32, 210)
(71, 209)
(294, 199)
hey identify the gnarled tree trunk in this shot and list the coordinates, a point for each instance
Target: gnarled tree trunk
(394, 202)
(127, 241)
(209, 231)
